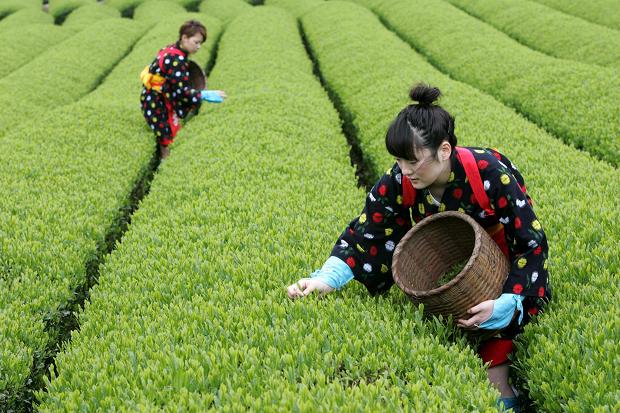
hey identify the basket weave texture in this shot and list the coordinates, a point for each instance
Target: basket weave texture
(432, 247)
(197, 78)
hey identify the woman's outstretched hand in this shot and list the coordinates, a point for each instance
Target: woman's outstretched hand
(479, 314)
(305, 286)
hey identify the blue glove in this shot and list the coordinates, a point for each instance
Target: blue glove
(211, 96)
(503, 310)
(335, 273)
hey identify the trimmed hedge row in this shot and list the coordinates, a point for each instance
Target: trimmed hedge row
(603, 12)
(19, 45)
(576, 102)
(86, 16)
(78, 65)
(125, 5)
(576, 197)
(151, 11)
(191, 313)
(548, 30)
(295, 7)
(62, 8)
(64, 192)
(225, 10)
(25, 16)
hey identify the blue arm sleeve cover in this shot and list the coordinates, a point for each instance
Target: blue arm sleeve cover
(503, 310)
(211, 96)
(335, 273)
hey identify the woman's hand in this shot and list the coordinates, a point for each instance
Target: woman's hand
(305, 286)
(479, 314)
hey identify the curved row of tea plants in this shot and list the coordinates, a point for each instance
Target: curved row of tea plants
(66, 182)
(575, 101)
(603, 12)
(548, 30)
(25, 16)
(370, 70)
(65, 72)
(191, 312)
(19, 45)
(87, 15)
(8, 7)
(225, 10)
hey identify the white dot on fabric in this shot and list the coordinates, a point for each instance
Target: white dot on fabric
(148, 112)
(181, 57)
(167, 61)
(178, 74)
(148, 98)
(194, 100)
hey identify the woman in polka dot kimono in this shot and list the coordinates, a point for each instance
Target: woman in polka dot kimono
(167, 95)
(431, 174)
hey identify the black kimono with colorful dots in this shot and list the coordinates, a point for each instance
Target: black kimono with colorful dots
(367, 244)
(182, 99)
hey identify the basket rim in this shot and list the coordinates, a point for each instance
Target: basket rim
(423, 223)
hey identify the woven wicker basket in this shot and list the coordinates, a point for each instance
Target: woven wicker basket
(435, 245)
(197, 78)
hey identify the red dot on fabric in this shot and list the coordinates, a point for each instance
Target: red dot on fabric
(497, 155)
(457, 193)
(400, 221)
(377, 217)
(373, 250)
(517, 288)
(538, 250)
(517, 223)
(482, 164)
(382, 190)
(351, 262)
(541, 292)
(533, 311)
(502, 202)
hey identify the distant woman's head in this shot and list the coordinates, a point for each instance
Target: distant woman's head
(421, 138)
(192, 35)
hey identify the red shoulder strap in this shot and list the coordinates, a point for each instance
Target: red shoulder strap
(408, 192)
(170, 50)
(475, 181)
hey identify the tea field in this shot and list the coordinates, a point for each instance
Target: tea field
(133, 284)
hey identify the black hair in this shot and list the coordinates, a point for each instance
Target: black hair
(421, 125)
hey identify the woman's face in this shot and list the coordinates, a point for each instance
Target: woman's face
(192, 44)
(428, 169)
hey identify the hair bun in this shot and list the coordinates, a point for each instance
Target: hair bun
(425, 95)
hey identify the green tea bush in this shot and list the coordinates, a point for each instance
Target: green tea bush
(576, 197)
(85, 16)
(296, 7)
(151, 11)
(574, 101)
(191, 312)
(548, 30)
(25, 16)
(225, 10)
(60, 9)
(8, 7)
(603, 12)
(65, 182)
(65, 72)
(23, 43)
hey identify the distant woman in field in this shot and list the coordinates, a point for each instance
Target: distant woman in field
(167, 95)
(431, 174)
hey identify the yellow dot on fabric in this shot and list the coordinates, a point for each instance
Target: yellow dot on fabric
(521, 263)
(421, 208)
(175, 63)
(451, 178)
(461, 210)
(152, 105)
(388, 231)
(388, 172)
(479, 151)
(399, 200)
(505, 179)
(180, 84)
(359, 248)
(362, 218)
(545, 265)
(384, 268)
(442, 207)
(536, 225)
(154, 119)
(429, 199)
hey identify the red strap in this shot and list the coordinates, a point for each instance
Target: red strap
(408, 192)
(475, 181)
(170, 50)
